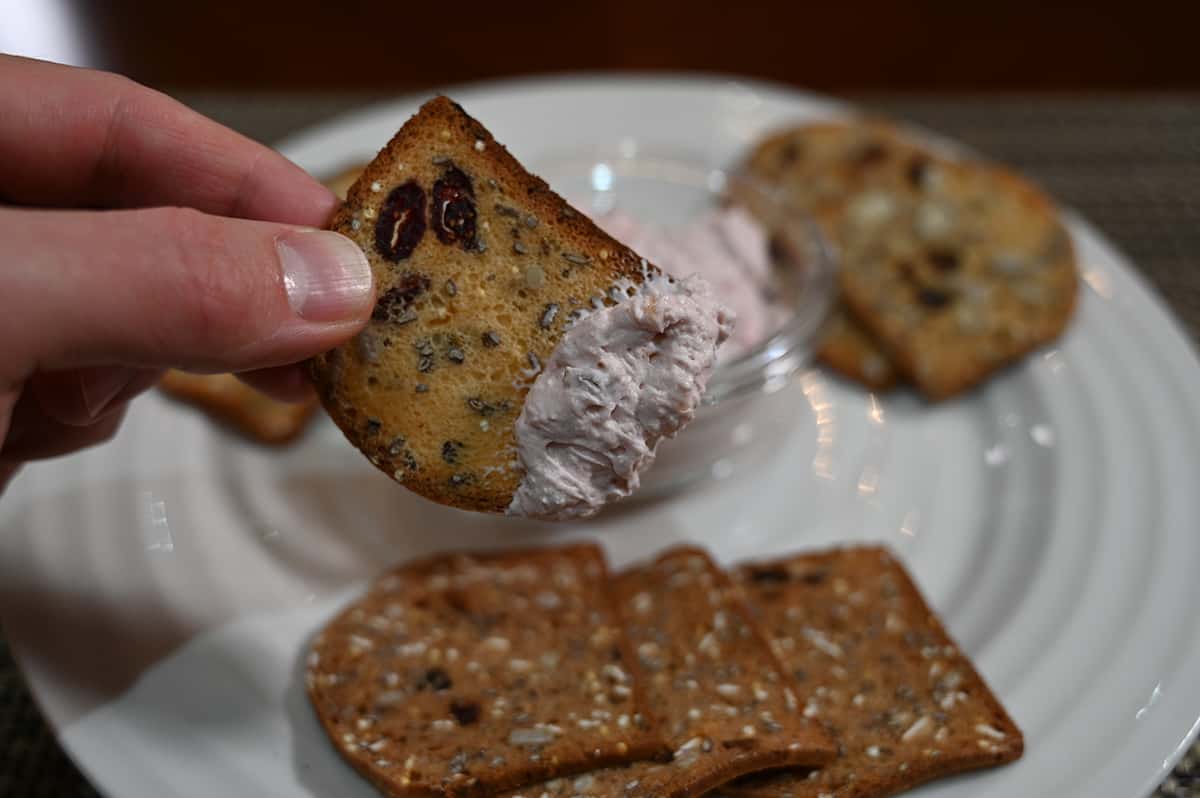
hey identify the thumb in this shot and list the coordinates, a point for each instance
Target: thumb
(172, 287)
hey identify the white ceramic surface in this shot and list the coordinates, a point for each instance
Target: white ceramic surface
(158, 591)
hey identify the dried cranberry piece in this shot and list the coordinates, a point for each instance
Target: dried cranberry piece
(769, 576)
(944, 260)
(401, 221)
(436, 679)
(465, 712)
(933, 298)
(453, 208)
(393, 303)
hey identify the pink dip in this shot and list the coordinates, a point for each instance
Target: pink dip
(624, 378)
(728, 249)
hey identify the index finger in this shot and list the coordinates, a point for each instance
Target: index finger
(79, 138)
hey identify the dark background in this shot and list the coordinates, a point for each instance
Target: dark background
(832, 46)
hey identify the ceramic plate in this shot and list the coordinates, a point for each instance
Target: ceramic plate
(159, 591)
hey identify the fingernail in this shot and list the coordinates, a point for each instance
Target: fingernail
(326, 275)
(100, 386)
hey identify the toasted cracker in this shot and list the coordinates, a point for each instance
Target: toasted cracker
(465, 675)
(961, 280)
(466, 311)
(715, 688)
(872, 664)
(230, 401)
(851, 351)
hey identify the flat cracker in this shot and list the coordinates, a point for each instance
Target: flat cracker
(961, 280)
(230, 401)
(465, 675)
(852, 352)
(875, 667)
(479, 268)
(715, 688)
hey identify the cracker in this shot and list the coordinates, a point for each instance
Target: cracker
(715, 688)
(818, 167)
(466, 674)
(479, 269)
(230, 401)
(852, 352)
(960, 280)
(872, 664)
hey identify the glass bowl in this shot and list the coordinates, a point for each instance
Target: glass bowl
(751, 397)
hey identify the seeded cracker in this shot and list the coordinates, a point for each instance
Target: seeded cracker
(715, 688)
(819, 167)
(873, 665)
(465, 675)
(479, 270)
(975, 272)
(230, 401)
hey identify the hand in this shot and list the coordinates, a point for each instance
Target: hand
(190, 246)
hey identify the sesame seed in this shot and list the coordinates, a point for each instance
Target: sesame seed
(990, 731)
(748, 730)
(873, 751)
(693, 714)
(441, 724)
(728, 690)
(355, 224)
(498, 644)
(520, 665)
(642, 602)
(918, 728)
(760, 692)
(376, 186)
(708, 645)
(479, 145)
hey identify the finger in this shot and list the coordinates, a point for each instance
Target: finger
(79, 397)
(33, 435)
(76, 137)
(285, 383)
(172, 287)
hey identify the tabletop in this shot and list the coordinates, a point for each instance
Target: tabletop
(1129, 163)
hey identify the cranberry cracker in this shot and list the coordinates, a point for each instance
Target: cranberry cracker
(713, 684)
(465, 675)
(480, 271)
(872, 664)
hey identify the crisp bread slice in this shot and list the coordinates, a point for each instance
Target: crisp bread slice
(232, 402)
(818, 167)
(961, 280)
(479, 270)
(872, 664)
(714, 686)
(467, 674)
(852, 352)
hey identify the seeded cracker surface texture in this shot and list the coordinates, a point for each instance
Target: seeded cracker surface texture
(872, 664)
(479, 269)
(465, 675)
(715, 688)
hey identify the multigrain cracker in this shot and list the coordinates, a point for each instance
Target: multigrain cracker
(873, 665)
(231, 401)
(480, 269)
(961, 279)
(465, 675)
(712, 683)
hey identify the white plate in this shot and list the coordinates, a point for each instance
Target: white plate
(158, 591)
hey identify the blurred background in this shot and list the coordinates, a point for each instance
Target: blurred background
(835, 46)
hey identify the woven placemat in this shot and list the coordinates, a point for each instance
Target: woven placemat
(1130, 165)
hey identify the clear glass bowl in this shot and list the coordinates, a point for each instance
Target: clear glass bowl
(746, 405)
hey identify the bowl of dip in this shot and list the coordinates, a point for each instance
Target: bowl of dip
(772, 268)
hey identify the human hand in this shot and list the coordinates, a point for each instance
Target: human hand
(137, 235)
